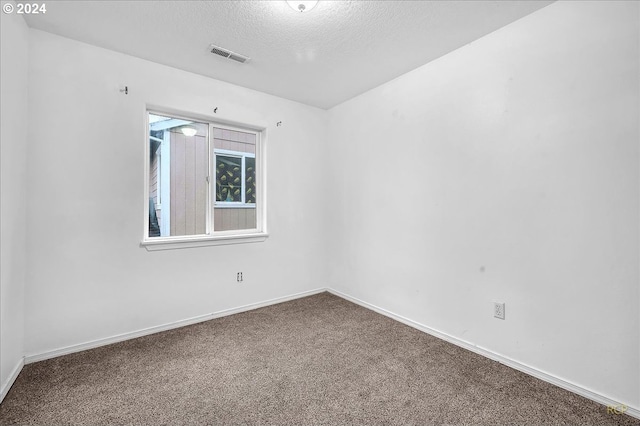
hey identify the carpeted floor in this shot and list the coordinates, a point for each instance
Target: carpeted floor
(316, 360)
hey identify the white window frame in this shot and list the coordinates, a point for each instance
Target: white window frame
(211, 237)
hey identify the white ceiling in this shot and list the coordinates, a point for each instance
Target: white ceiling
(321, 58)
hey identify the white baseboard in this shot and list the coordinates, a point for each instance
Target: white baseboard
(532, 371)
(157, 329)
(12, 378)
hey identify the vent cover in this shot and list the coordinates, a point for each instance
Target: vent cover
(225, 53)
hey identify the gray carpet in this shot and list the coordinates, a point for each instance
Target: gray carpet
(316, 360)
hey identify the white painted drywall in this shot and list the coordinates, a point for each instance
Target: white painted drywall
(504, 171)
(13, 184)
(88, 276)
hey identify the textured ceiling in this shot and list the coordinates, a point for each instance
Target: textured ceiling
(321, 58)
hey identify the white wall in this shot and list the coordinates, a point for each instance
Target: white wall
(88, 276)
(505, 171)
(13, 158)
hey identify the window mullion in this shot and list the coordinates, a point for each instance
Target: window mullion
(211, 188)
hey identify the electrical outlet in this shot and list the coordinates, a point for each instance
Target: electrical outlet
(498, 310)
(239, 277)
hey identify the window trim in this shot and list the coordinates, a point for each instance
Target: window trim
(211, 238)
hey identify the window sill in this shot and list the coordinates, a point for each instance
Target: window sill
(202, 241)
(219, 205)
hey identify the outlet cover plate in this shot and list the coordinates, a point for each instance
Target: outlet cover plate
(498, 310)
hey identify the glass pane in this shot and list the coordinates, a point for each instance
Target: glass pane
(228, 178)
(250, 180)
(235, 191)
(178, 169)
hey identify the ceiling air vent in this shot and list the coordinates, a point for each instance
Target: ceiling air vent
(221, 51)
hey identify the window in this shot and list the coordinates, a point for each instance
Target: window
(204, 183)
